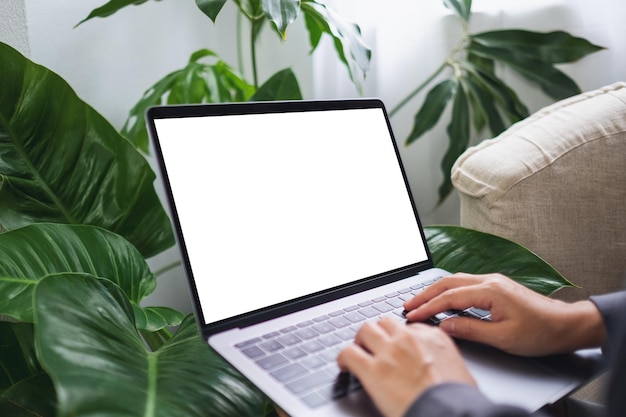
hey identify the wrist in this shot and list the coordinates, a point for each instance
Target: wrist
(582, 327)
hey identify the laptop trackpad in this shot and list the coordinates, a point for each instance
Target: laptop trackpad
(514, 380)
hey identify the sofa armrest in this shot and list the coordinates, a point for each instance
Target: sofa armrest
(556, 183)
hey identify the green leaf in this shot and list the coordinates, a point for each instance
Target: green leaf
(25, 390)
(458, 136)
(252, 9)
(18, 359)
(29, 254)
(110, 8)
(153, 319)
(434, 104)
(349, 45)
(482, 72)
(551, 48)
(198, 82)
(100, 366)
(282, 13)
(31, 397)
(461, 7)
(211, 8)
(457, 249)
(281, 86)
(551, 80)
(484, 102)
(61, 162)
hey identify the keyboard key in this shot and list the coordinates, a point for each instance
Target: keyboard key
(320, 318)
(354, 317)
(396, 302)
(329, 340)
(272, 361)
(253, 352)
(295, 353)
(289, 372)
(271, 346)
(308, 382)
(311, 346)
(314, 400)
(306, 333)
(383, 307)
(288, 339)
(330, 356)
(270, 335)
(323, 328)
(248, 342)
(288, 329)
(478, 313)
(369, 312)
(339, 322)
(345, 334)
(313, 362)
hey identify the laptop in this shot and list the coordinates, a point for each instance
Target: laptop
(296, 225)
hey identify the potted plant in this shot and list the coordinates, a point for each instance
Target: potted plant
(79, 217)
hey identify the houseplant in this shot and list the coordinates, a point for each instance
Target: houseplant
(468, 82)
(75, 338)
(207, 79)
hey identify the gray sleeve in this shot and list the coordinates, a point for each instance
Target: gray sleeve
(460, 400)
(613, 310)
(611, 307)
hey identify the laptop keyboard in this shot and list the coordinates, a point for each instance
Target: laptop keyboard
(303, 357)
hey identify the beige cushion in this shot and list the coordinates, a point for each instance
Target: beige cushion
(556, 183)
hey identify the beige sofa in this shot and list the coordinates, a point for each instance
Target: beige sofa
(556, 183)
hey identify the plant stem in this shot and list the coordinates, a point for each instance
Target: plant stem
(168, 267)
(450, 61)
(253, 53)
(239, 44)
(420, 88)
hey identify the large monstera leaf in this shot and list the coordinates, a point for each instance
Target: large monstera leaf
(61, 162)
(458, 249)
(25, 389)
(100, 367)
(29, 254)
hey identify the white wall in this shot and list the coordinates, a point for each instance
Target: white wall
(13, 25)
(110, 62)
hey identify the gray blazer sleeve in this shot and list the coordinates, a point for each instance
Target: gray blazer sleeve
(460, 400)
(613, 310)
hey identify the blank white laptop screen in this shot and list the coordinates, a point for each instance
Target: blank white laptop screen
(277, 206)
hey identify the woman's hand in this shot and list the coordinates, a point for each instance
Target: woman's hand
(396, 362)
(522, 322)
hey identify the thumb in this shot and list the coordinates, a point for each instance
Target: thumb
(469, 329)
